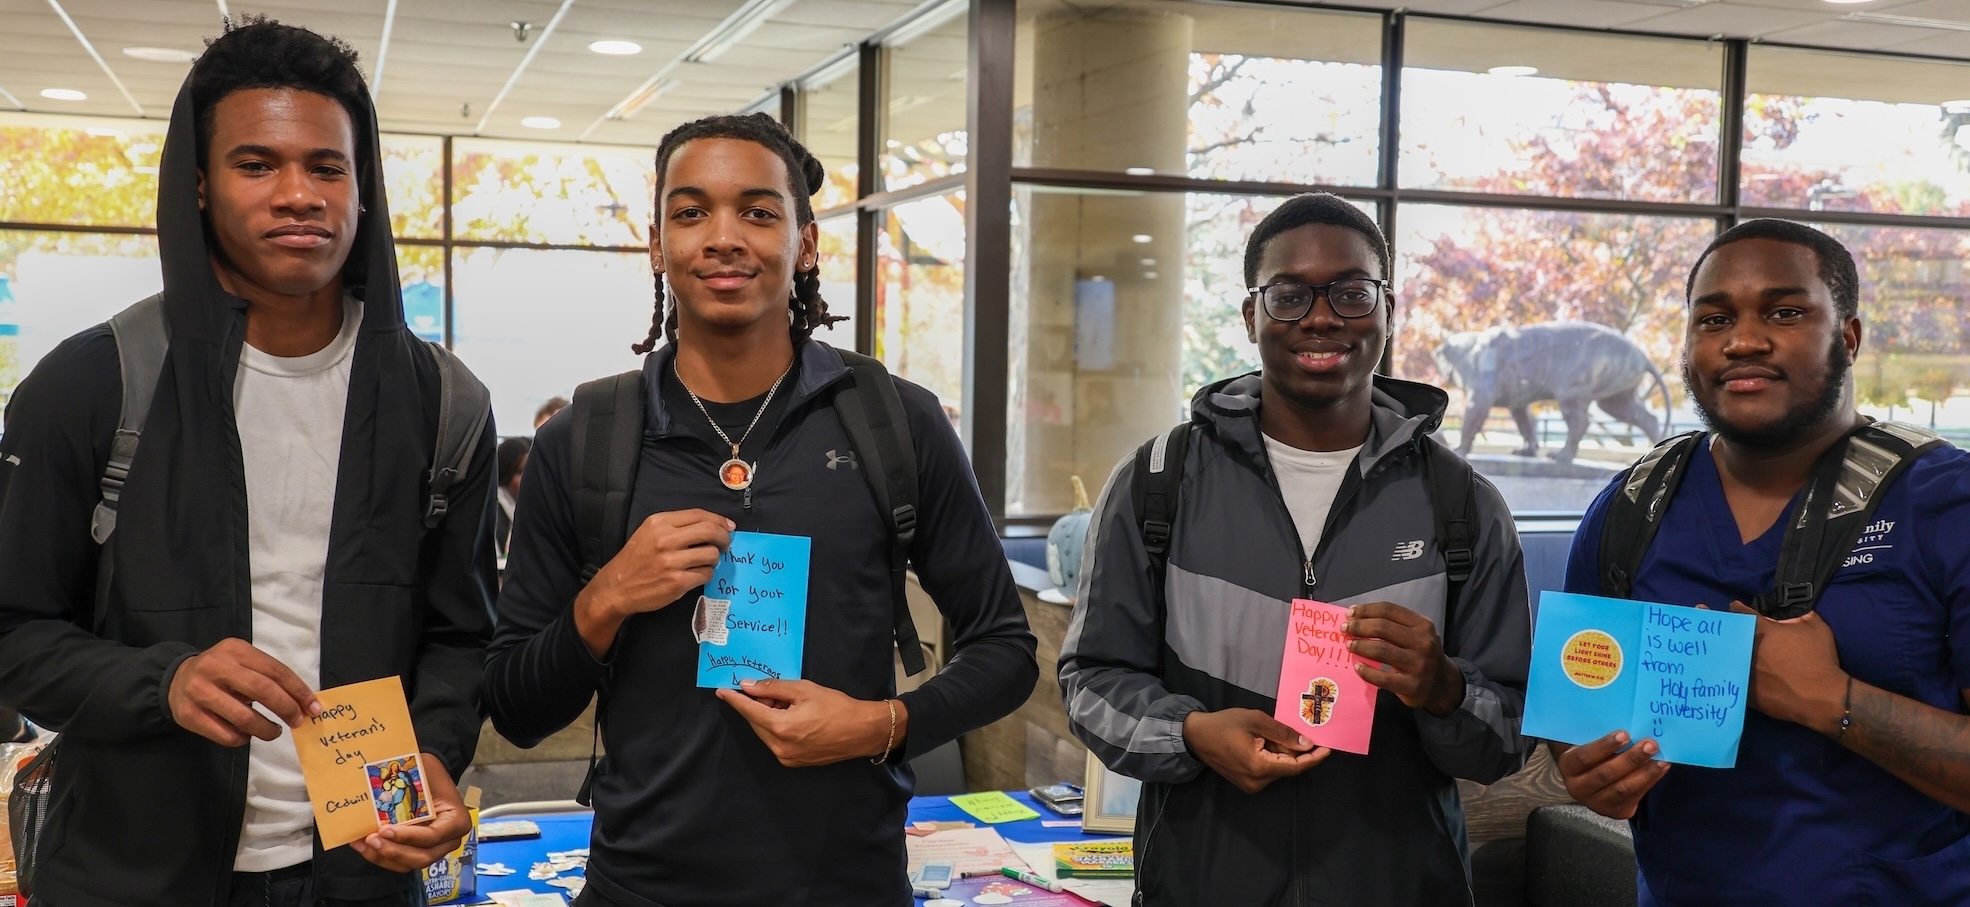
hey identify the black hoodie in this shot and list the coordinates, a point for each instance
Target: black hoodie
(144, 812)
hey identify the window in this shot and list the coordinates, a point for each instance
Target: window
(1915, 311)
(54, 285)
(551, 194)
(1214, 92)
(1123, 305)
(413, 180)
(926, 96)
(1597, 116)
(830, 128)
(1494, 303)
(79, 171)
(534, 324)
(837, 261)
(1839, 132)
(920, 295)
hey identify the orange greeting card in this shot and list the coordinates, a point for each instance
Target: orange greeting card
(361, 762)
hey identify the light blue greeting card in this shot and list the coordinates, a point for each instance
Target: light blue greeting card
(1677, 675)
(752, 621)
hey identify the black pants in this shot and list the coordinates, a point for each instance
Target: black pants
(295, 887)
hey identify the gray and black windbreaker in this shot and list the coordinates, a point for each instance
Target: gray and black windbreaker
(1385, 828)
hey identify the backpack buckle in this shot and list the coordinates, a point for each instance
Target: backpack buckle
(434, 512)
(1458, 562)
(1792, 595)
(905, 518)
(1156, 535)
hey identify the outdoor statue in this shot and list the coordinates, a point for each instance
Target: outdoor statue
(1575, 363)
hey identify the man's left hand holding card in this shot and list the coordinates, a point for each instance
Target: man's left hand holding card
(370, 785)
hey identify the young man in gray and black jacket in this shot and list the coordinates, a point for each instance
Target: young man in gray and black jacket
(1306, 480)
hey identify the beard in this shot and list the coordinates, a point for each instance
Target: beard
(1797, 422)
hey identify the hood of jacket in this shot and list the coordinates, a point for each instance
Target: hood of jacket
(1401, 412)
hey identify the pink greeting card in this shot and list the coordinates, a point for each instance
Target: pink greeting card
(1320, 695)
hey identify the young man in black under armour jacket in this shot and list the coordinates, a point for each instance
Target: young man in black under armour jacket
(1305, 481)
(785, 791)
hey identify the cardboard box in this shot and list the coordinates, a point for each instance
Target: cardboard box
(455, 878)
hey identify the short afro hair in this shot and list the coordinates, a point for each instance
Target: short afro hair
(258, 52)
(1837, 269)
(1313, 208)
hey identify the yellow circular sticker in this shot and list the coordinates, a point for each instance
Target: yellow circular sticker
(1591, 659)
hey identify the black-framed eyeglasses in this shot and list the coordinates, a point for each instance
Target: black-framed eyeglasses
(1352, 298)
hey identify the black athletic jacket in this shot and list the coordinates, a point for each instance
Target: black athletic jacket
(691, 809)
(144, 812)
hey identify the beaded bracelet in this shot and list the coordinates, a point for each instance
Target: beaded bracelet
(888, 743)
(1846, 709)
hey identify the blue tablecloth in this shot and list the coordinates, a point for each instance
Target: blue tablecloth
(1030, 831)
(570, 831)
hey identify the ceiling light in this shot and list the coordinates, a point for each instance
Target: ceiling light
(1151, 275)
(743, 21)
(640, 99)
(1140, 171)
(1149, 262)
(161, 54)
(929, 21)
(541, 123)
(1910, 21)
(1513, 70)
(1144, 237)
(1956, 106)
(63, 94)
(617, 48)
(1846, 2)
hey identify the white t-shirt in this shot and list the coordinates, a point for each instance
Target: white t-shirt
(290, 432)
(1310, 480)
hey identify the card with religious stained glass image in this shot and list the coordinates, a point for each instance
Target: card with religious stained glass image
(1320, 695)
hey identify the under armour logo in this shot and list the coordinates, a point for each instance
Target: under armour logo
(1407, 551)
(836, 461)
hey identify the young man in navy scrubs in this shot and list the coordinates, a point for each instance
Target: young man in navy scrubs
(1852, 780)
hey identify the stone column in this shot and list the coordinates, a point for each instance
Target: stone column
(1110, 93)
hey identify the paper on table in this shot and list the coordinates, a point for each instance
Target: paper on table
(752, 621)
(1113, 892)
(993, 807)
(359, 759)
(525, 898)
(1320, 695)
(972, 850)
(1675, 674)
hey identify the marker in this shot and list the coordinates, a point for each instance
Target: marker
(1030, 879)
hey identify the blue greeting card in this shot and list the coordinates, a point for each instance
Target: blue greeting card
(1677, 675)
(752, 622)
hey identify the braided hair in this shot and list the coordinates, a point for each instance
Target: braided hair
(806, 307)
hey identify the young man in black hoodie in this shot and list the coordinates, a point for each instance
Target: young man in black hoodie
(790, 791)
(278, 495)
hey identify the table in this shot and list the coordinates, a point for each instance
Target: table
(564, 831)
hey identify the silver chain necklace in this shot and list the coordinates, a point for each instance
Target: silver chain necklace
(734, 473)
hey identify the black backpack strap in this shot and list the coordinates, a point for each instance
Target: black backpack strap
(1846, 488)
(606, 438)
(606, 442)
(1635, 512)
(463, 405)
(1450, 479)
(872, 414)
(142, 338)
(1156, 486)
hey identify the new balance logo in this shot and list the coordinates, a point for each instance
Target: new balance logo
(836, 461)
(1407, 551)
